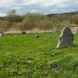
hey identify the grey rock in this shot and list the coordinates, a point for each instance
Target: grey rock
(66, 38)
(55, 67)
(23, 33)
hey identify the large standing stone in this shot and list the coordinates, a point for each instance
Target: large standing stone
(66, 38)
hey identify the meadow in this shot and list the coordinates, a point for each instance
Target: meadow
(29, 56)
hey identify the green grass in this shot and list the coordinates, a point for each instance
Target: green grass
(25, 56)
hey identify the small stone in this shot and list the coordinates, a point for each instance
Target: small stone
(23, 33)
(55, 67)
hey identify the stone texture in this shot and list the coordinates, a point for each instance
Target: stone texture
(66, 38)
(55, 67)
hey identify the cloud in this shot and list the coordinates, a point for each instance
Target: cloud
(5, 2)
(2, 14)
(29, 2)
(44, 6)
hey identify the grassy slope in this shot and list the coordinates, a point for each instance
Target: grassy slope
(23, 55)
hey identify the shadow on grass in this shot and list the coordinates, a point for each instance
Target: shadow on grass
(75, 46)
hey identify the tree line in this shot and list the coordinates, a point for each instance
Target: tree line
(31, 21)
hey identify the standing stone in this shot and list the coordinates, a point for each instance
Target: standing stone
(66, 38)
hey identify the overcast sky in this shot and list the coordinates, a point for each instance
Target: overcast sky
(41, 6)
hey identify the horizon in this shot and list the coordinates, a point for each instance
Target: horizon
(38, 6)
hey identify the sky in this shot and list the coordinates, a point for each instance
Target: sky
(41, 6)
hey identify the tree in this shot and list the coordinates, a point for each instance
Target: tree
(12, 13)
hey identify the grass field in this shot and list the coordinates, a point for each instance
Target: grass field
(26, 56)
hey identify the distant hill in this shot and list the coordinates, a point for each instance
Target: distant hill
(12, 18)
(69, 16)
(64, 14)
